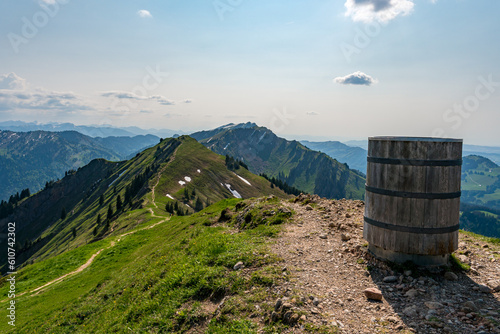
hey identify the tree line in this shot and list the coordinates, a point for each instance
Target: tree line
(7, 207)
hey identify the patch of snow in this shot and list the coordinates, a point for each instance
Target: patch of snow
(188, 206)
(187, 178)
(261, 137)
(170, 196)
(208, 141)
(234, 192)
(199, 171)
(109, 185)
(182, 183)
(226, 146)
(242, 179)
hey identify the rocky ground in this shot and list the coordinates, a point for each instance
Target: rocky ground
(329, 270)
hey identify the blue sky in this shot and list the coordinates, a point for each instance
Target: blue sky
(306, 69)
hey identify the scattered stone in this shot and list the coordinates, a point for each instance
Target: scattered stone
(293, 318)
(470, 306)
(392, 319)
(373, 293)
(287, 316)
(411, 311)
(323, 236)
(450, 276)
(286, 306)
(345, 237)
(494, 285)
(274, 316)
(303, 317)
(308, 207)
(407, 273)
(390, 279)
(315, 301)
(484, 288)
(238, 266)
(412, 293)
(277, 305)
(347, 215)
(433, 305)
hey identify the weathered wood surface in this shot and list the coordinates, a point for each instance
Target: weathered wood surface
(408, 211)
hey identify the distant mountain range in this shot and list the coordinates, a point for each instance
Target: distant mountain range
(289, 161)
(89, 130)
(490, 152)
(481, 181)
(30, 159)
(354, 157)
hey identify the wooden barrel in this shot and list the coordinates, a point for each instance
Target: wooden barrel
(413, 198)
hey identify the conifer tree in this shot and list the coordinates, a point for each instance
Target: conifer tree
(63, 213)
(198, 206)
(118, 203)
(110, 212)
(101, 200)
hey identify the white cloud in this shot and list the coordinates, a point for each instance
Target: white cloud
(122, 95)
(42, 100)
(356, 78)
(128, 95)
(14, 97)
(377, 10)
(312, 113)
(171, 115)
(12, 81)
(162, 100)
(144, 14)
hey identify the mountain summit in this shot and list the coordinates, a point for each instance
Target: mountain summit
(288, 161)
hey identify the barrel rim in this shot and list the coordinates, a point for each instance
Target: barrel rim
(424, 139)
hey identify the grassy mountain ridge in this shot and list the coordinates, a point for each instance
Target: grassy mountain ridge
(289, 161)
(162, 168)
(30, 159)
(169, 278)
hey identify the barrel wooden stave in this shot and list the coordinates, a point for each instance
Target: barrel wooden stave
(413, 212)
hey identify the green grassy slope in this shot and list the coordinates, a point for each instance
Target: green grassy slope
(169, 278)
(481, 181)
(161, 166)
(290, 161)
